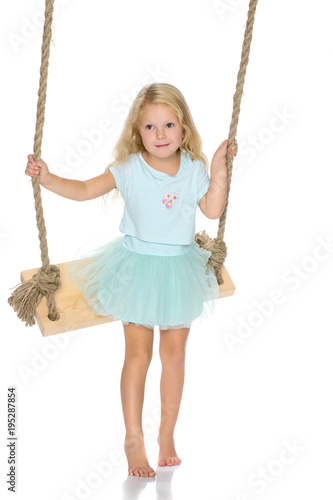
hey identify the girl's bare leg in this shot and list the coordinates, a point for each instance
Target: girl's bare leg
(172, 354)
(138, 354)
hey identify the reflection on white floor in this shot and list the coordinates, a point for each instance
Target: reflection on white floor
(133, 487)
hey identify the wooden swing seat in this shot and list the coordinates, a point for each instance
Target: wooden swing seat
(73, 310)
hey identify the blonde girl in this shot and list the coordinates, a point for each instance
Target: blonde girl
(154, 273)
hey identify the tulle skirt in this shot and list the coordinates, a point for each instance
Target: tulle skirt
(168, 291)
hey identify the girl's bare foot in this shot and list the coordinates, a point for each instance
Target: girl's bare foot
(167, 454)
(136, 457)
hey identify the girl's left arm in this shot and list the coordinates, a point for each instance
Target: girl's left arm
(212, 204)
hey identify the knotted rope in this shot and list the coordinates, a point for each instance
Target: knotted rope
(26, 297)
(217, 245)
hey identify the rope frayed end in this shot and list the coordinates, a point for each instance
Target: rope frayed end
(26, 297)
(204, 240)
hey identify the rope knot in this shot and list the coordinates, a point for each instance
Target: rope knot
(27, 296)
(48, 282)
(217, 247)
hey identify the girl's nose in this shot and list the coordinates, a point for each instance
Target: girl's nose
(160, 134)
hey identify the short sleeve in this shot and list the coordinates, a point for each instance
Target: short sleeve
(116, 171)
(123, 174)
(203, 181)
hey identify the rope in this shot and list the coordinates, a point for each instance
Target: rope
(26, 298)
(217, 245)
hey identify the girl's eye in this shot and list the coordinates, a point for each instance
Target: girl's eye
(147, 126)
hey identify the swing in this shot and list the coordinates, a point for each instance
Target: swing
(43, 287)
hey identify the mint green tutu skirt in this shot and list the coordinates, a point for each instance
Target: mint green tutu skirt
(165, 290)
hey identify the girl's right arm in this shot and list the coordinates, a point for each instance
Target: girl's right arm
(70, 188)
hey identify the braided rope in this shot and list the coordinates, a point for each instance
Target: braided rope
(217, 245)
(27, 296)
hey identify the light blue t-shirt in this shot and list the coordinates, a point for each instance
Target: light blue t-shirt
(158, 207)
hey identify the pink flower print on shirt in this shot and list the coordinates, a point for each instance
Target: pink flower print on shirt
(170, 199)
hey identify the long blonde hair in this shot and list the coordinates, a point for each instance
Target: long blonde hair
(130, 141)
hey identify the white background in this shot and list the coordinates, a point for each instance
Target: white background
(245, 400)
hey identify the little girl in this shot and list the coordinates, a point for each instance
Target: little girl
(155, 273)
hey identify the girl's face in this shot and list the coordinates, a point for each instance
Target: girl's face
(160, 130)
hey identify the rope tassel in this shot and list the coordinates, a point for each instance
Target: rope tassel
(26, 297)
